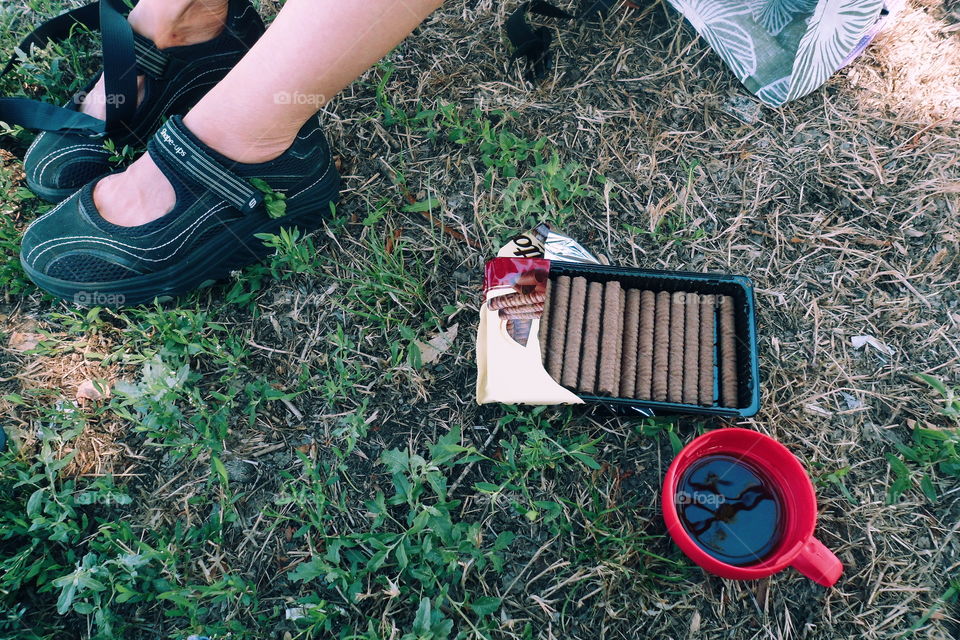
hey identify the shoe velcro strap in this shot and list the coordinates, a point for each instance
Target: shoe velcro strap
(178, 147)
(150, 60)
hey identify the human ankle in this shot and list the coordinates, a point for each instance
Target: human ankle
(179, 23)
(233, 144)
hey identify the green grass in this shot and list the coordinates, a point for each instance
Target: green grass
(392, 507)
(933, 452)
(526, 179)
(675, 225)
(68, 551)
(55, 72)
(77, 551)
(414, 546)
(68, 546)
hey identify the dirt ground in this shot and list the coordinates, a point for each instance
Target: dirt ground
(843, 207)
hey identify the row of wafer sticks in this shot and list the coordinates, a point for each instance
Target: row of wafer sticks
(598, 338)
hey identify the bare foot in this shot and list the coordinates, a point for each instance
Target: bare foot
(139, 195)
(94, 102)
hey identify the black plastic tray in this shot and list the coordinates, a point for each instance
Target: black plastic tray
(740, 288)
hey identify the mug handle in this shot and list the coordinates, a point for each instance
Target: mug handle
(818, 563)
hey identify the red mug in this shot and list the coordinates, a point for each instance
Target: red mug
(796, 547)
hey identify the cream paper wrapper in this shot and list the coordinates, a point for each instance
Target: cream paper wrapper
(508, 371)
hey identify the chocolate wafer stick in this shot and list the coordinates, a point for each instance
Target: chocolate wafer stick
(574, 327)
(516, 300)
(677, 321)
(661, 345)
(631, 333)
(524, 309)
(618, 342)
(728, 353)
(522, 315)
(706, 350)
(519, 330)
(558, 326)
(608, 382)
(644, 388)
(590, 352)
(545, 321)
(691, 348)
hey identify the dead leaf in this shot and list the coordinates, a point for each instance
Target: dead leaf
(939, 257)
(439, 344)
(695, 624)
(24, 341)
(91, 390)
(392, 240)
(859, 342)
(815, 409)
(852, 401)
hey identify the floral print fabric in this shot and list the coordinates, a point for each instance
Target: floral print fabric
(783, 49)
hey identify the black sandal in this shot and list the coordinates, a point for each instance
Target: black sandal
(70, 152)
(74, 254)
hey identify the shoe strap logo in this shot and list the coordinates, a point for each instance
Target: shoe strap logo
(207, 171)
(174, 147)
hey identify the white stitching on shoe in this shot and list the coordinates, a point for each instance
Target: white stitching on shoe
(309, 134)
(245, 12)
(117, 245)
(33, 144)
(299, 193)
(44, 216)
(190, 87)
(156, 113)
(59, 153)
(45, 162)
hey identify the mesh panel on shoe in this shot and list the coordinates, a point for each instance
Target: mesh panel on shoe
(116, 230)
(210, 233)
(132, 232)
(83, 268)
(81, 170)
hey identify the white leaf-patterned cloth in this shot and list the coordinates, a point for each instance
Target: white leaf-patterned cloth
(783, 49)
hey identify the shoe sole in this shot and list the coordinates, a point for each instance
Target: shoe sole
(233, 248)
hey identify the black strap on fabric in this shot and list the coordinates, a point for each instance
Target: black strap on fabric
(119, 65)
(529, 43)
(533, 44)
(123, 54)
(177, 146)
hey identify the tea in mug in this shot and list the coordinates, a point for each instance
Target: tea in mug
(730, 509)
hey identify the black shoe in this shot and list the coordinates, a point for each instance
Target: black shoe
(74, 254)
(70, 152)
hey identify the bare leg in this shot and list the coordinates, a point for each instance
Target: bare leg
(168, 23)
(311, 52)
